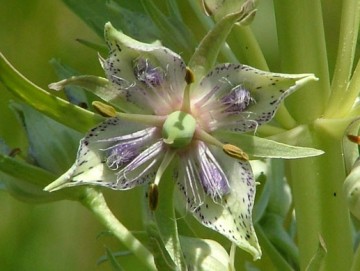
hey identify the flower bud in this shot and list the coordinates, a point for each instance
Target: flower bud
(352, 189)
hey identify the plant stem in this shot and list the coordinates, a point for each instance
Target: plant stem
(320, 204)
(340, 101)
(302, 48)
(95, 202)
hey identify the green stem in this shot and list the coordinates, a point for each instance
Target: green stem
(208, 24)
(279, 262)
(340, 102)
(356, 263)
(284, 118)
(352, 90)
(320, 205)
(242, 39)
(96, 203)
(302, 47)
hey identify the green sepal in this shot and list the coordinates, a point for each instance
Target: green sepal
(52, 106)
(266, 148)
(100, 87)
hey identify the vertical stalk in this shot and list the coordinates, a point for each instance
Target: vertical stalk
(302, 50)
(320, 204)
(95, 202)
(341, 100)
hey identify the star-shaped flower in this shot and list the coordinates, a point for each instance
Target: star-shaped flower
(171, 114)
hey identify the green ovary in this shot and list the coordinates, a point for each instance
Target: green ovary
(178, 129)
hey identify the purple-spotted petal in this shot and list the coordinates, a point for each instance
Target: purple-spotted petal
(230, 215)
(142, 169)
(109, 149)
(188, 182)
(148, 75)
(212, 177)
(240, 98)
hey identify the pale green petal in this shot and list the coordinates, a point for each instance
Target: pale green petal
(266, 91)
(147, 75)
(95, 166)
(229, 214)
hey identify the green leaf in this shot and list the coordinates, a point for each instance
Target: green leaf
(262, 147)
(52, 145)
(174, 33)
(277, 259)
(133, 22)
(26, 182)
(52, 106)
(113, 262)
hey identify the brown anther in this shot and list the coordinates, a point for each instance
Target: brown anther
(153, 196)
(354, 138)
(235, 152)
(14, 152)
(189, 76)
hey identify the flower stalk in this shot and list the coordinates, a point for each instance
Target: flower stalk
(320, 203)
(95, 202)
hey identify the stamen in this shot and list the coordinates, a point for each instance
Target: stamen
(153, 196)
(189, 78)
(151, 120)
(235, 152)
(354, 138)
(104, 110)
(153, 189)
(229, 149)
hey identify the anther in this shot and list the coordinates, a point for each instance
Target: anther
(189, 76)
(235, 152)
(153, 196)
(104, 109)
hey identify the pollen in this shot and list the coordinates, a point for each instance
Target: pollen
(235, 152)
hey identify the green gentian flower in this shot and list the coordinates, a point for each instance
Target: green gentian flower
(171, 115)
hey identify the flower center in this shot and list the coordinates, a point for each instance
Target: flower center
(178, 129)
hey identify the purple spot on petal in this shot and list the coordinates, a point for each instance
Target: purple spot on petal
(237, 100)
(147, 74)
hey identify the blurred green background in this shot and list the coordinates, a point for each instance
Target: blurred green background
(61, 235)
